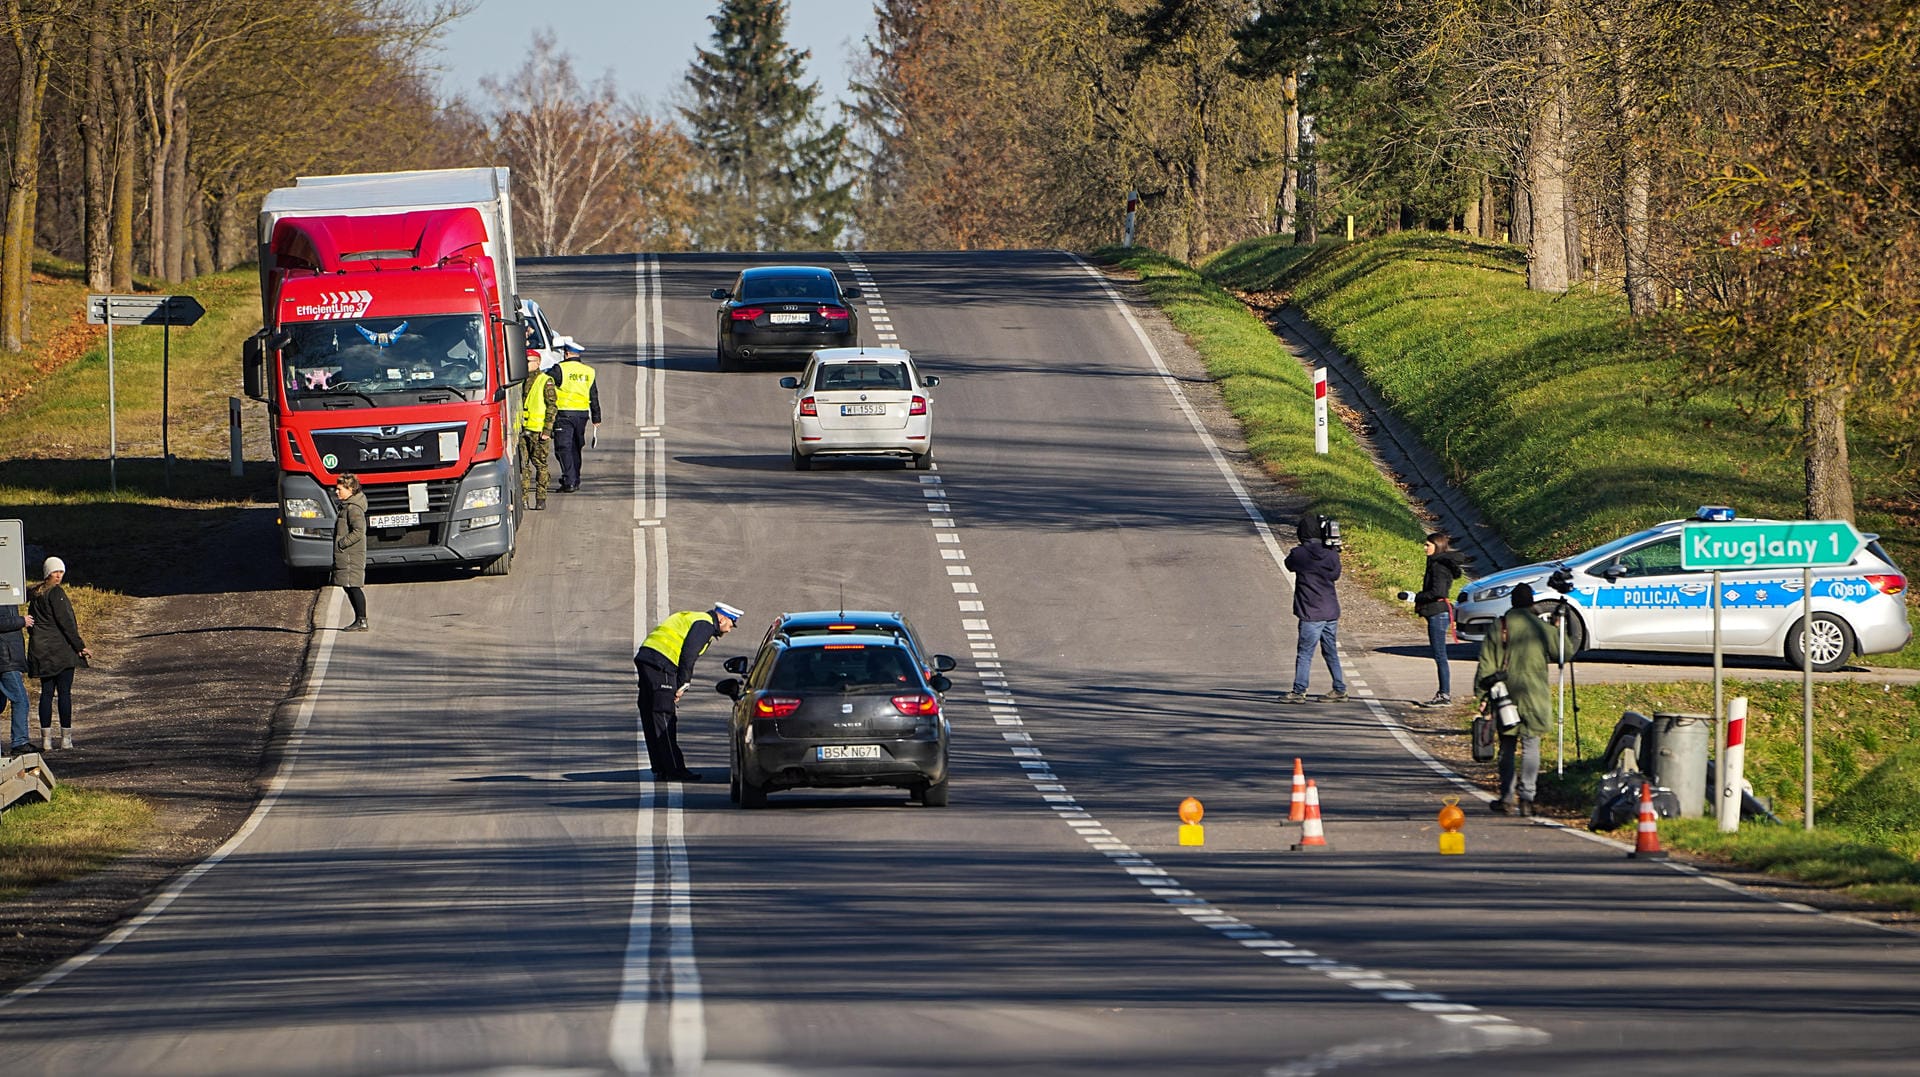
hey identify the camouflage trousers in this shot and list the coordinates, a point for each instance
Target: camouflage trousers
(536, 451)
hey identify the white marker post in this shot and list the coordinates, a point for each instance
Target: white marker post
(1133, 209)
(1320, 409)
(1733, 765)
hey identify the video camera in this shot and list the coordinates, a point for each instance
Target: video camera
(1561, 580)
(1330, 532)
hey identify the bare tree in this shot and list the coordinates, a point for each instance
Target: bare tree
(568, 148)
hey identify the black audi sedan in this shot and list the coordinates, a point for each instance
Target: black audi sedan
(783, 312)
(837, 711)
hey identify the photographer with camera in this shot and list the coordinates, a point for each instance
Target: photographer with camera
(1315, 565)
(1432, 602)
(1515, 657)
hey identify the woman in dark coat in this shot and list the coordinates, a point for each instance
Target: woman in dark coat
(350, 548)
(54, 649)
(1433, 603)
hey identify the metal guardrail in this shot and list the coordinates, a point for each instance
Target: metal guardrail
(25, 777)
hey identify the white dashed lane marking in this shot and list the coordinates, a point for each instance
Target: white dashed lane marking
(1492, 1029)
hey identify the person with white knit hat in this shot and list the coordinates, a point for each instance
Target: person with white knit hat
(665, 663)
(54, 650)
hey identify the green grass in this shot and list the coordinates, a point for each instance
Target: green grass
(78, 831)
(55, 473)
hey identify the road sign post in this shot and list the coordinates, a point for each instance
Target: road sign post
(1763, 544)
(165, 311)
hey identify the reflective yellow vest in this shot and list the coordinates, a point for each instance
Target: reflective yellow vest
(533, 413)
(671, 637)
(576, 385)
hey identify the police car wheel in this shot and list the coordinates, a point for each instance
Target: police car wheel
(1576, 629)
(1832, 644)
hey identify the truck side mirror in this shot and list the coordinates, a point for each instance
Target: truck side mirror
(253, 367)
(516, 334)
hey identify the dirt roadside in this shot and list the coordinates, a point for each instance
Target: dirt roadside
(178, 708)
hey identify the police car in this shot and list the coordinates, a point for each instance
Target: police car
(1632, 594)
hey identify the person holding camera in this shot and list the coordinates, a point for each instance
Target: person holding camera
(1315, 565)
(1432, 602)
(1515, 656)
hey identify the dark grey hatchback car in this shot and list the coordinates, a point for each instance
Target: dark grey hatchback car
(836, 711)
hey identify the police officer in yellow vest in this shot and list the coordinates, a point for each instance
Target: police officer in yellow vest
(579, 402)
(665, 661)
(537, 417)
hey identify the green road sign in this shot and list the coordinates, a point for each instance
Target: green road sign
(1741, 544)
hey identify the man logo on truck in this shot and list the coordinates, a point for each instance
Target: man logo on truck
(393, 452)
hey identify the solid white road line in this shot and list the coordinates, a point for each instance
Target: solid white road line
(627, 1045)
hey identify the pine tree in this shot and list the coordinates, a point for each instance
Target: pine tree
(774, 172)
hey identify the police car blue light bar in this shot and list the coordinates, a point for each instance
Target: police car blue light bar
(1714, 513)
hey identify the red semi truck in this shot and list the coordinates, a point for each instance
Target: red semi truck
(392, 346)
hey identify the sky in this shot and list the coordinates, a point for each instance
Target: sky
(647, 45)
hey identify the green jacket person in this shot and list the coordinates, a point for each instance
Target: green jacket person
(665, 663)
(537, 414)
(1517, 650)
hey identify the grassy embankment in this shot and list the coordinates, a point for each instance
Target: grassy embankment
(1566, 432)
(54, 477)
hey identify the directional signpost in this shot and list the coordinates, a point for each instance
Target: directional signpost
(1737, 545)
(161, 310)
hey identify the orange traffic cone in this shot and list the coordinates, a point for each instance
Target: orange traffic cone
(1312, 837)
(1298, 810)
(1646, 843)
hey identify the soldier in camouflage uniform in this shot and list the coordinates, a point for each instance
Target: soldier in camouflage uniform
(536, 438)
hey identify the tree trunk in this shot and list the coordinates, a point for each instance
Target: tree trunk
(126, 129)
(1576, 259)
(1637, 185)
(1199, 224)
(1489, 209)
(1824, 432)
(33, 52)
(1290, 175)
(97, 198)
(1306, 232)
(1547, 241)
(1521, 212)
(178, 197)
(1470, 218)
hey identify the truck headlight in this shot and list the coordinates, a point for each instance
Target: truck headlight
(302, 508)
(484, 498)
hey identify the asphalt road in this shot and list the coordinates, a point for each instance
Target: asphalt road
(463, 866)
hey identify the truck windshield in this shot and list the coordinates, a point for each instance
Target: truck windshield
(385, 355)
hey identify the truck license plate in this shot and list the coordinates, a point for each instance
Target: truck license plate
(397, 519)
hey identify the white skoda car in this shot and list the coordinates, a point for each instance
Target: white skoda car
(862, 402)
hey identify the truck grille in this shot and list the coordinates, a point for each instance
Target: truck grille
(390, 448)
